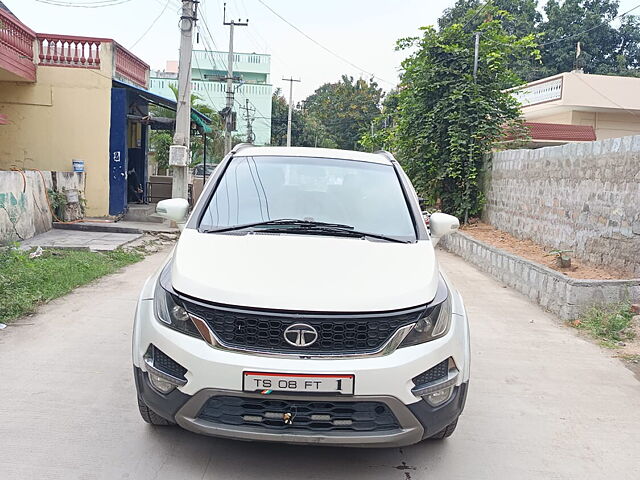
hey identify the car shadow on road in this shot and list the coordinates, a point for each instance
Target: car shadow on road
(222, 459)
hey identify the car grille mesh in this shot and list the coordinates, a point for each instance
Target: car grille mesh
(314, 416)
(441, 370)
(337, 334)
(166, 364)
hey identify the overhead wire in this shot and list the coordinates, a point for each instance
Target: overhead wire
(91, 4)
(551, 42)
(340, 57)
(213, 104)
(209, 37)
(155, 20)
(478, 12)
(576, 35)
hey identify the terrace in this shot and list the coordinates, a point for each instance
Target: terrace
(22, 51)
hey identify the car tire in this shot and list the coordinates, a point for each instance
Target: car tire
(152, 417)
(446, 431)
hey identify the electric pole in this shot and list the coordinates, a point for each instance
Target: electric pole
(248, 111)
(290, 80)
(475, 56)
(179, 151)
(229, 108)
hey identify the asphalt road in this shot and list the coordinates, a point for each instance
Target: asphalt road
(543, 403)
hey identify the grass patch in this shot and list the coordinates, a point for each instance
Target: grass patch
(630, 357)
(26, 283)
(608, 323)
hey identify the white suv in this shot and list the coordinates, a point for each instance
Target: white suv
(303, 303)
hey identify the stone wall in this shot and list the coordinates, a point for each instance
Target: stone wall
(554, 291)
(583, 196)
(24, 211)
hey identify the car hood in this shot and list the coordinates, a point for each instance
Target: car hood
(304, 272)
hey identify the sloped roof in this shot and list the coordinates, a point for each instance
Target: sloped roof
(560, 131)
(5, 8)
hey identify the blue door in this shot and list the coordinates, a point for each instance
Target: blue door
(118, 152)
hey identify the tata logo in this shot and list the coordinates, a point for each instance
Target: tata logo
(300, 335)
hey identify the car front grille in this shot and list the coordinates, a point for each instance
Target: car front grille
(337, 333)
(314, 416)
(166, 364)
(441, 370)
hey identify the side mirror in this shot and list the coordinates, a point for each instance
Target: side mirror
(441, 224)
(174, 209)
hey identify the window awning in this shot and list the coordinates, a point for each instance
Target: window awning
(200, 119)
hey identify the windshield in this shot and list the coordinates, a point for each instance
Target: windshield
(365, 196)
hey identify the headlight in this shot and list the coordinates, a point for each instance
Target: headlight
(434, 323)
(169, 311)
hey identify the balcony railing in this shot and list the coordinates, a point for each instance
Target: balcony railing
(69, 51)
(84, 52)
(20, 47)
(539, 92)
(130, 67)
(16, 47)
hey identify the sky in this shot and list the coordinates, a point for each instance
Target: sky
(363, 32)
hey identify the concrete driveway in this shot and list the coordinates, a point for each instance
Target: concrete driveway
(543, 403)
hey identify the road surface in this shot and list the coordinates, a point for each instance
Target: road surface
(543, 403)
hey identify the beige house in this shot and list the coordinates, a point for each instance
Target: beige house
(67, 101)
(576, 106)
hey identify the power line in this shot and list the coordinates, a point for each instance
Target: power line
(635, 114)
(478, 12)
(152, 24)
(92, 4)
(213, 104)
(551, 42)
(322, 46)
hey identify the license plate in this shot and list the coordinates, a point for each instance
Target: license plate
(297, 382)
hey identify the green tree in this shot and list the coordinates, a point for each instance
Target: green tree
(345, 109)
(161, 140)
(447, 122)
(606, 50)
(279, 119)
(519, 18)
(381, 136)
(306, 129)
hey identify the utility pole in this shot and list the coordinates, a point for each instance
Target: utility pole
(475, 56)
(248, 111)
(179, 151)
(372, 134)
(229, 108)
(290, 80)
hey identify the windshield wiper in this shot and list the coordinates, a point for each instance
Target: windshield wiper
(336, 231)
(287, 222)
(291, 225)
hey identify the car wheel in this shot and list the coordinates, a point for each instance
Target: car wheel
(150, 416)
(446, 431)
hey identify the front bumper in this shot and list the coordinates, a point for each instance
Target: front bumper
(215, 372)
(417, 421)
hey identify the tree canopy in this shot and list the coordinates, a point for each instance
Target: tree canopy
(345, 109)
(446, 122)
(606, 49)
(307, 130)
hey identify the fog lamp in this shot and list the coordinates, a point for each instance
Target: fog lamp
(161, 384)
(437, 398)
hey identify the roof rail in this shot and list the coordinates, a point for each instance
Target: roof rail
(388, 155)
(241, 146)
